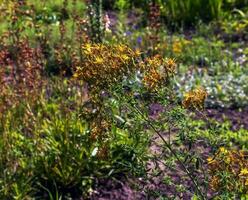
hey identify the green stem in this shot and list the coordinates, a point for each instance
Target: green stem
(173, 153)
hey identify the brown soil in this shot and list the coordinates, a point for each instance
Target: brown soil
(154, 187)
(238, 118)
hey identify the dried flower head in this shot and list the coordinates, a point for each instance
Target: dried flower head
(231, 162)
(214, 183)
(103, 152)
(20, 73)
(157, 71)
(99, 128)
(195, 98)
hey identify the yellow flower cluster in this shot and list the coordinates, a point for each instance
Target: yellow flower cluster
(195, 98)
(157, 71)
(177, 46)
(233, 162)
(104, 64)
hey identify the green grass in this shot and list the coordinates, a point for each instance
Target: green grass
(46, 149)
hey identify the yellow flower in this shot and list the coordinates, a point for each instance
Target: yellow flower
(152, 79)
(171, 65)
(157, 71)
(236, 167)
(177, 47)
(229, 160)
(243, 172)
(122, 48)
(195, 98)
(246, 182)
(124, 57)
(104, 65)
(210, 160)
(223, 150)
(99, 60)
(87, 49)
(137, 52)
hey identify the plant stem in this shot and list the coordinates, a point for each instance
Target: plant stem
(173, 152)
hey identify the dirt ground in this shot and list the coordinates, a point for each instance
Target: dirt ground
(154, 187)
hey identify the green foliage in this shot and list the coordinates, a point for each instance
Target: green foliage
(190, 11)
(219, 134)
(122, 5)
(95, 18)
(53, 152)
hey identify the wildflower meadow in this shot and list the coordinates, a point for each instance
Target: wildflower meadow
(123, 100)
